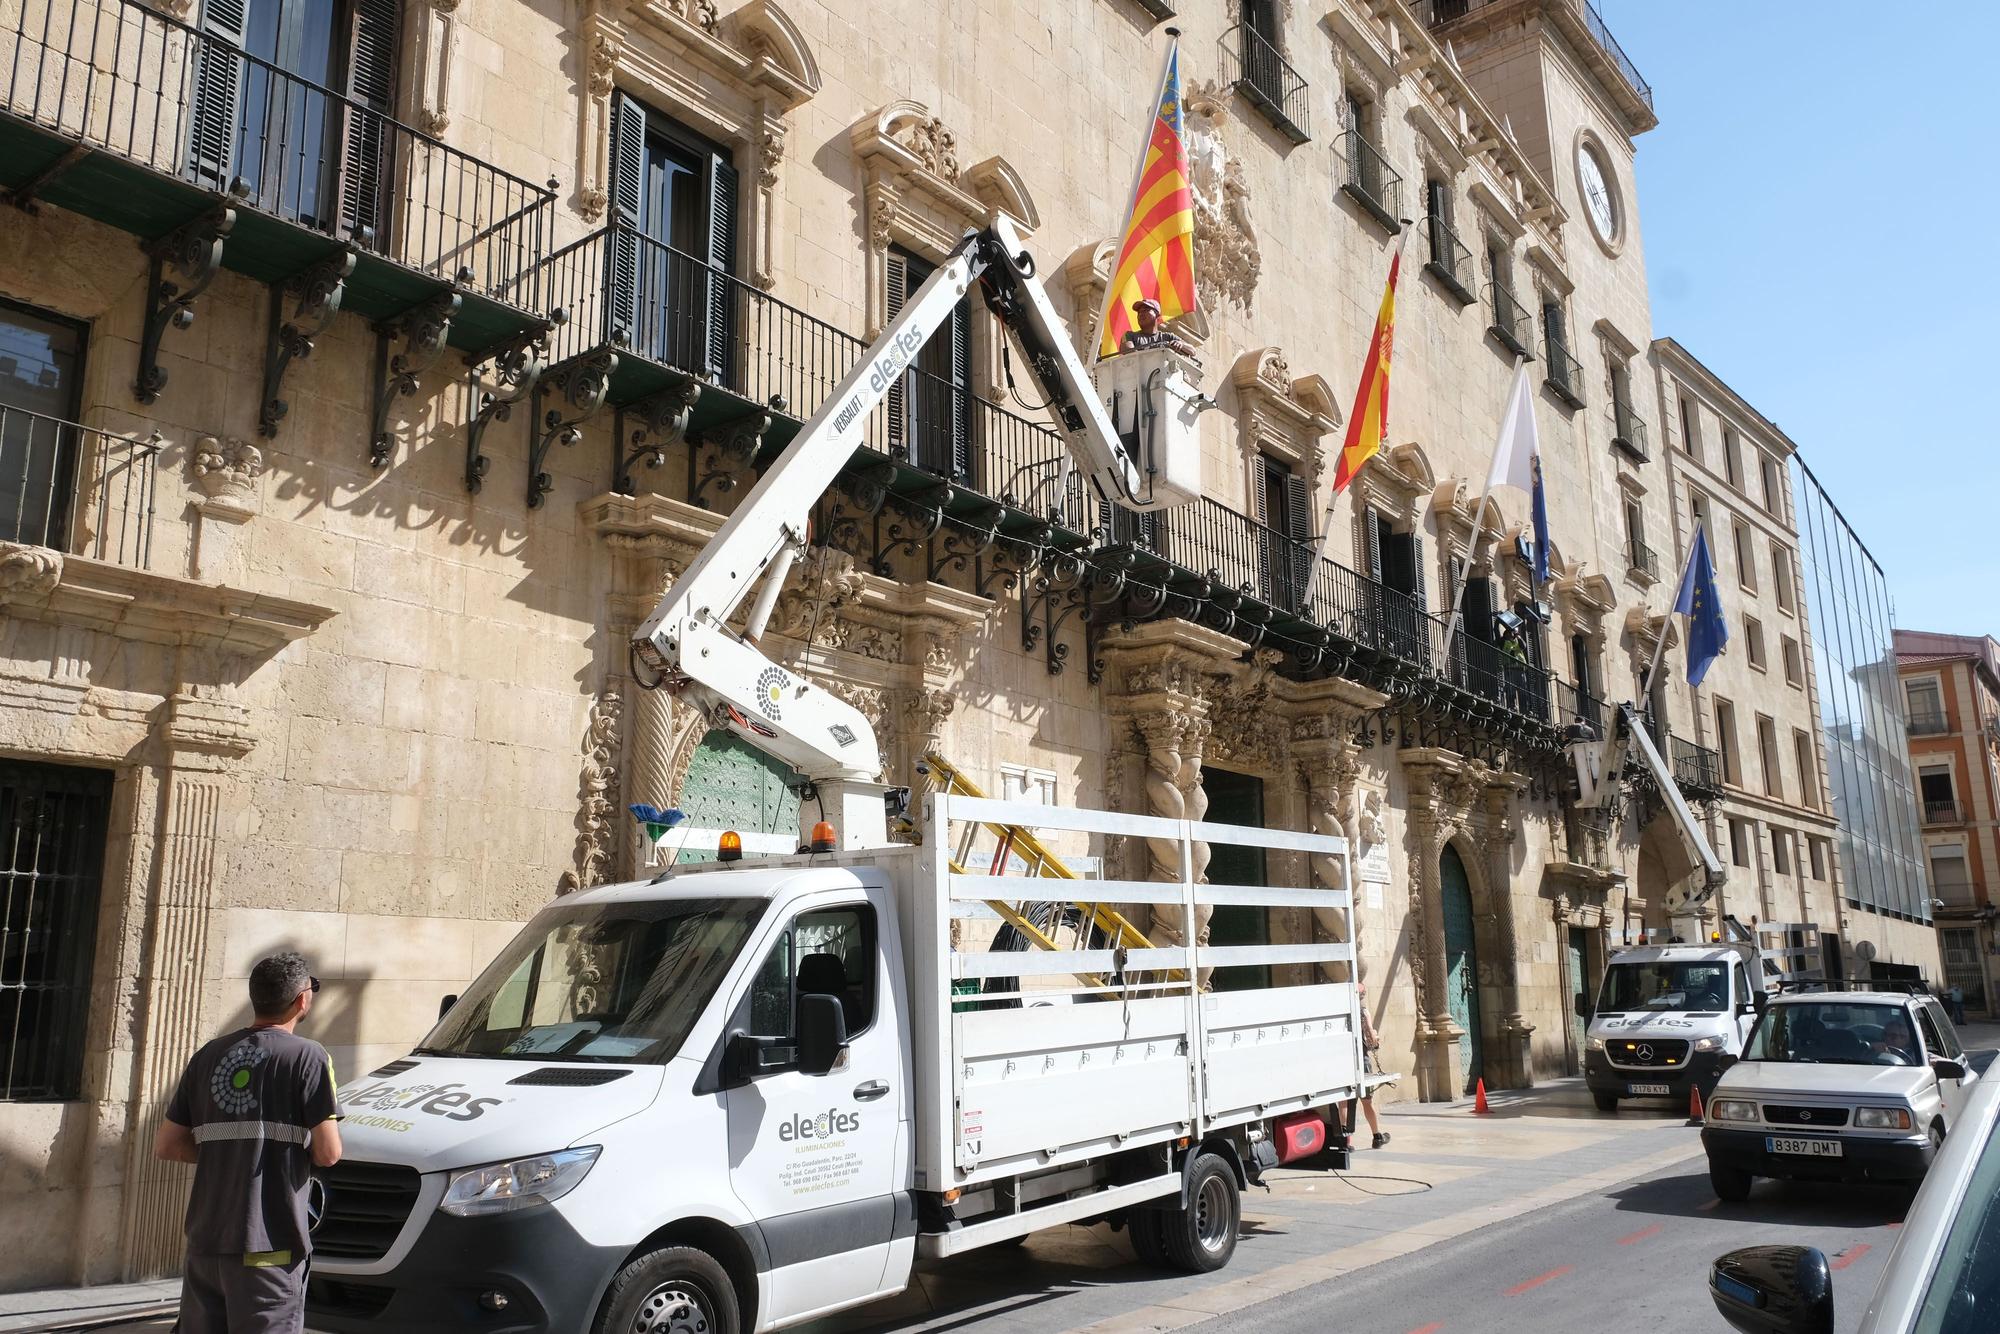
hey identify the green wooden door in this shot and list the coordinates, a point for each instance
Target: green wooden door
(1236, 799)
(1578, 961)
(733, 785)
(1461, 961)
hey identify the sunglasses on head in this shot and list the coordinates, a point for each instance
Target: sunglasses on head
(312, 985)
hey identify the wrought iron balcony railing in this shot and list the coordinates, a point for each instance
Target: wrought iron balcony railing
(1565, 373)
(1943, 812)
(75, 489)
(1367, 178)
(1510, 318)
(1450, 260)
(1629, 430)
(1640, 557)
(1436, 13)
(1256, 68)
(114, 77)
(1697, 768)
(1931, 722)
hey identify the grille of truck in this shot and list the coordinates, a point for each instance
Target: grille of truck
(1779, 1114)
(366, 1207)
(1648, 1053)
(330, 1296)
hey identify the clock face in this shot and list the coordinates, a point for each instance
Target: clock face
(1598, 201)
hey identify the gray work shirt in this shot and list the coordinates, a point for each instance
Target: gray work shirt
(251, 1098)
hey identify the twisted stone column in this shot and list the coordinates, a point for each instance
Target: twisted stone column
(1161, 734)
(1318, 766)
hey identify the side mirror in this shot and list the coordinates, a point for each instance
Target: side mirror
(1724, 1061)
(1762, 1000)
(822, 1032)
(1582, 1005)
(1948, 1069)
(1774, 1290)
(444, 1006)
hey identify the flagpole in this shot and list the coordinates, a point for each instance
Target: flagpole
(1478, 527)
(1138, 174)
(1333, 501)
(1660, 641)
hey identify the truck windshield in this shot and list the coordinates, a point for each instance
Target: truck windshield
(1836, 1033)
(599, 982)
(1665, 985)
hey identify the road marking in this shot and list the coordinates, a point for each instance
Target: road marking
(1431, 1328)
(1850, 1255)
(1537, 1281)
(1640, 1235)
(1705, 1207)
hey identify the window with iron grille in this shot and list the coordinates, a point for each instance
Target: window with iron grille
(52, 829)
(41, 380)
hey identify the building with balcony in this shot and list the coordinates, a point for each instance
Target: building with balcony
(1951, 692)
(1726, 468)
(366, 382)
(1885, 926)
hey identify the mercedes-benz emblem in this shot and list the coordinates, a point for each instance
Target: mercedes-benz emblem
(1645, 1051)
(315, 1202)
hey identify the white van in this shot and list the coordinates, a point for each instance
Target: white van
(1665, 1017)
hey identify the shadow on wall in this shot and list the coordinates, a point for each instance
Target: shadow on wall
(335, 1019)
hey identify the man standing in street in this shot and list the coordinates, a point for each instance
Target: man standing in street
(254, 1113)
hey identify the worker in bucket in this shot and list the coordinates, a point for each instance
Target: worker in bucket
(1371, 1042)
(1150, 333)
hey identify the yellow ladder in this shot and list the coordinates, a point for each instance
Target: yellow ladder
(1020, 841)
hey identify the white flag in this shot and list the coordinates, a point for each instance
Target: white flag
(1515, 450)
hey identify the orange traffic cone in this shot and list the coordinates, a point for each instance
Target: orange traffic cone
(1695, 1115)
(1479, 1107)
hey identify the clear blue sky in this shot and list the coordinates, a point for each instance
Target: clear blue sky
(1819, 212)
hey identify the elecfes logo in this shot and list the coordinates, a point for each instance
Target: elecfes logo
(446, 1100)
(824, 1126)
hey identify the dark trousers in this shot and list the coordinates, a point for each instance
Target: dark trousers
(222, 1295)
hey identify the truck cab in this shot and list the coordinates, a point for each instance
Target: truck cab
(1665, 1017)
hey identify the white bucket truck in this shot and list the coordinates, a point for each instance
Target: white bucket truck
(735, 1098)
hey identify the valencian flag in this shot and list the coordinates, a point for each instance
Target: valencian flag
(1368, 424)
(1156, 258)
(1707, 632)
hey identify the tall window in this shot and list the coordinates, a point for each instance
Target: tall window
(1637, 554)
(1732, 458)
(1935, 789)
(1816, 849)
(1284, 508)
(1767, 756)
(1725, 742)
(1781, 851)
(1802, 752)
(1926, 703)
(1781, 576)
(1739, 843)
(1795, 671)
(930, 411)
(1753, 641)
(1690, 427)
(52, 832)
(41, 372)
(1774, 497)
(1949, 880)
(1698, 507)
(673, 248)
(1395, 562)
(1746, 557)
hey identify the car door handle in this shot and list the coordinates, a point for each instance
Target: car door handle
(871, 1090)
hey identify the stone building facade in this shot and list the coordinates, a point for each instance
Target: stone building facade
(383, 392)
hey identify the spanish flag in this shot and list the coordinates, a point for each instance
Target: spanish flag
(1368, 424)
(1156, 259)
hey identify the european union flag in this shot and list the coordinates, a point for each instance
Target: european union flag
(1538, 509)
(1698, 600)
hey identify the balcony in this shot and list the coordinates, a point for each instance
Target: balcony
(1510, 319)
(1931, 722)
(1640, 560)
(1629, 431)
(77, 490)
(1943, 812)
(1255, 68)
(1697, 769)
(1159, 9)
(218, 159)
(1450, 261)
(1565, 374)
(1367, 178)
(1583, 18)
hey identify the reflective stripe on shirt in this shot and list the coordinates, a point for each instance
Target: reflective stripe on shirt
(277, 1130)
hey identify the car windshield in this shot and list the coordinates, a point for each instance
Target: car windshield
(599, 982)
(1964, 1290)
(1836, 1033)
(1665, 986)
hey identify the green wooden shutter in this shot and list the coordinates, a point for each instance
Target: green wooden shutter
(628, 183)
(896, 285)
(366, 143)
(961, 392)
(721, 321)
(1298, 535)
(1420, 628)
(1371, 542)
(215, 118)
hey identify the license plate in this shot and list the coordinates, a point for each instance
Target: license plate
(1648, 1090)
(1809, 1148)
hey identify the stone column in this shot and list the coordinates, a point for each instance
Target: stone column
(1326, 771)
(1515, 1068)
(1162, 735)
(1438, 796)
(201, 736)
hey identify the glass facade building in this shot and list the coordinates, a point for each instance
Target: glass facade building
(1861, 712)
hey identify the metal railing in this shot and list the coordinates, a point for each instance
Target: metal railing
(1694, 766)
(1450, 258)
(1435, 13)
(1510, 318)
(1629, 429)
(1367, 175)
(1640, 557)
(1929, 723)
(119, 77)
(1564, 373)
(1574, 705)
(75, 489)
(1262, 74)
(1942, 812)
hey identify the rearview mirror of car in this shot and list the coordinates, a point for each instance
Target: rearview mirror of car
(1724, 1061)
(1948, 1069)
(1774, 1290)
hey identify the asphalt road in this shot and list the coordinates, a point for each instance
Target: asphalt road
(1635, 1257)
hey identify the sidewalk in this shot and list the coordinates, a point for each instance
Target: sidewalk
(107, 1305)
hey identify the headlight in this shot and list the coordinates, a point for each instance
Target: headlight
(497, 1188)
(1713, 1042)
(1882, 1118)
(1593, 1044)
(1732, 1109)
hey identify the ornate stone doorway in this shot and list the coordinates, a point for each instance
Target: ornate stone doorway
(730, 784)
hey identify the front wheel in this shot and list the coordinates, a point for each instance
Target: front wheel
(1606, 1102)
(1731, 1184)
(678, 1290)
(1201, 1238)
